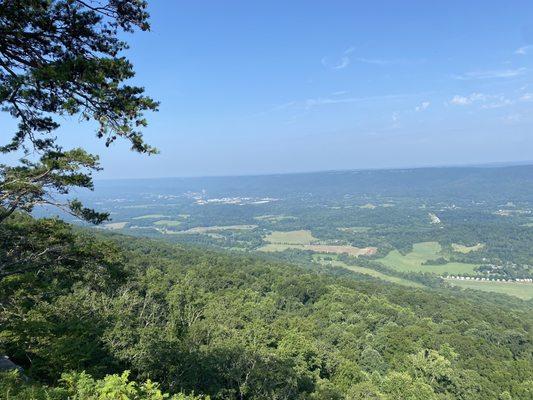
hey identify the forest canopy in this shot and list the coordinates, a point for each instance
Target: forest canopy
(228, 326)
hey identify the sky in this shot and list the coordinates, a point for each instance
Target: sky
(255, 87)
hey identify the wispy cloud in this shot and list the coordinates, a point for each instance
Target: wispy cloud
(344, 62)
(349, 50)
(459, 100)
(485, 101)
(423, 106)
(493, 74)
(526, 97)
(339, 93)
(332, 99)
(339, 63)
(346, 58)
(383, 62)
(524, 50)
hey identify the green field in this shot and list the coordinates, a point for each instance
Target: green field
(274, 218)
(216, 228)
(466, 249)
(422, 252)
(167, 223)
(521, 290)
(366, 271)
(355, 229)
(151, 216)
(115, 225)
(304, 240)
(291, 237)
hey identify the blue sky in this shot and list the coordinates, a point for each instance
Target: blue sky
(252, 87)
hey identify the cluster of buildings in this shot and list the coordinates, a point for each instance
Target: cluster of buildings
(235, 200)
(472, 278)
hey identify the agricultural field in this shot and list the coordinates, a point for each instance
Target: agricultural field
(304, 240)
(355, 229)
(274, 218)
(466, 249)
(521, 290)
(366, 271)
(210, 229)
(115, 225)
(300, 237)
(422, 253)
(320, 248)
(151, 216)
(349, 214)
(168, 223)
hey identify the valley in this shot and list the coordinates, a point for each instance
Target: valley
(362, 220)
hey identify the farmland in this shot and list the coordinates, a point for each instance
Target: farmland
(366, 219)
(150, 216)
(367, 271)
(167, 223)
(304, 240)
(115, 225)
(521, 290)
(209, 229)
(419, 260)
(466, 249)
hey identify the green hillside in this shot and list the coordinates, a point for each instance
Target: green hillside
(241, 327)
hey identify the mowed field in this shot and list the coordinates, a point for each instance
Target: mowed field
(422, 252)
(304, 240)
(168, 223)
(367, 271)
(209, 229)
(115, 225)
(521, 290)
(466, 249)
(151, 216)
(291, 237)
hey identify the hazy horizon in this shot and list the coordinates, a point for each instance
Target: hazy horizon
(494, 164)
(250, 88)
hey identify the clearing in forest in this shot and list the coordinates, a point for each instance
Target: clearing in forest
(151, 216)
(355, 229)
(466, 249)
(167, 223)
(274, 218)
(115, 225)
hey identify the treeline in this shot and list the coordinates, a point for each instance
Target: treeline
(239, 327)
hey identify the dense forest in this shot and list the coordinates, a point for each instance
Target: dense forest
(202, 323)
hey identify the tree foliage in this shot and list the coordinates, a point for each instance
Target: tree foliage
(64, 58)
(238, 327)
